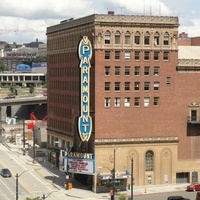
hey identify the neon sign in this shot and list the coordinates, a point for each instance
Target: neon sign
(85, 121)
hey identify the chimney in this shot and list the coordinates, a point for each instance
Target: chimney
(111, 12)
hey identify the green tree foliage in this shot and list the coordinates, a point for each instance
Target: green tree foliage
(31, 89)
(40, 59)
(2, 66)
(36, 198)
(13, 89)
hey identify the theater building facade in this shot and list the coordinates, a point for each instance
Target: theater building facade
(117, 93)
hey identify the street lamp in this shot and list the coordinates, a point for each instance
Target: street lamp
(113, 171)
(24, 149)
(17, 176)
(131, 177)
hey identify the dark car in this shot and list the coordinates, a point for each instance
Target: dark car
(193, 187)
(5, 172)
(177, 198)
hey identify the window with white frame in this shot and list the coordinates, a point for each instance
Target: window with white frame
(107, 70)
(168, 80)
(147, 55)
(117, 37)
(137, 55)
(107, 55)
(137, 38)
(146, 71)
(117, 70)
(127, 70)
(137, 101)
(127, 102)
(147, 38)
(117, 86)
(127, 38)
(107, 86)
(137, 71)
(117, 102)
(127, 55)
(107, 102)
(166, 39)
(107, 37)
(156, 85)
(156, 55)
(127, 86)
(156, 71)
(146, 101)
(165, 55)
(146, 86)
(156, 38)
(156, 101)
(117, 55)
(137, 86)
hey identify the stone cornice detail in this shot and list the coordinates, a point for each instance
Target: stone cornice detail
(137, 140)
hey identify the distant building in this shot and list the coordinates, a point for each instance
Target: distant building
(184, 40)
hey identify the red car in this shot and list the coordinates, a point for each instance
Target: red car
(193, 187)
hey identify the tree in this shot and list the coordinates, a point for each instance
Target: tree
(31, 89)
(13, 89)
(36, 198)
(2, 66)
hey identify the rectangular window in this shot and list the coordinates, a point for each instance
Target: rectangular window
(107, 70)
(127, 71)
(165, 55)
(107, 39)
(166, 40)
(168, 80)
(137, 39)
(127, 39)
(127, 55)
(127, 102)
(146, 101)
(107, 86)
(117, 71)
(117, 39)
(156, 101)
(107, 102)
(107, 55)
(117, 102)
(137, 55)
(127, 86)
(156, 71)
(156, 85)
(156, 55)
(146, 86)
(146, 39)
(117, 86)
(146, 71)
(147, 55)
(137, 86)
(117, 55)
(137, 71)
(137, 101)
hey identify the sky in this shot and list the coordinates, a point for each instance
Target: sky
(24, 21)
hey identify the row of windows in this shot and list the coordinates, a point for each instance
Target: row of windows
(137, 85)
(126, 101)
(127, 70)
(138, 39)
(138, 55)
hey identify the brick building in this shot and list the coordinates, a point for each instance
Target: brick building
(143, 101)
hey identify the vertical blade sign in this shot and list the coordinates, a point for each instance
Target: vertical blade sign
(85, 121)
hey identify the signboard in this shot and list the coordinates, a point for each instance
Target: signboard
(85, 121)
(75, 162)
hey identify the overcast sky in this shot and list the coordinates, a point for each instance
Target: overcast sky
(24, 21)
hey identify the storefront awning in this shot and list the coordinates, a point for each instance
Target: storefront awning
(117, 176)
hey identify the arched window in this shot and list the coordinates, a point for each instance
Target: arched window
(127, 38)
(107, 37)
(117, 37)
(147, 38)
(149, 157)
(137, 38)
(156, 38)
(166, 39)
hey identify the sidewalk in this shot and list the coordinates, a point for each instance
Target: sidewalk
(79, 191)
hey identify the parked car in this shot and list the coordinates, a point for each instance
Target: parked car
(5, 172)
(193, 187)
(177, 198)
